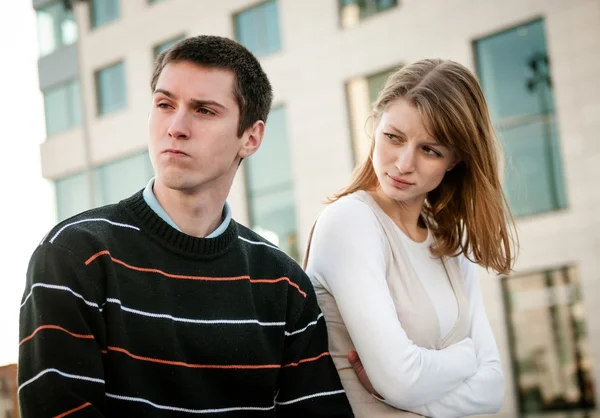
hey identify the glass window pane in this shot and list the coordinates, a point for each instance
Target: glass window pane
(56, 27)
(74, 103)
(68, 29)
(533, 180)
(353, 11)
(72, 195)
(274, 217)
(376, 83)
(104, 11)
(111, 89)
(48, 18)
(269, 167)
(270, 28)
(62, 108)
(159, 49)
(257, 28)
(508, 63)
(515, 75)
(552, 361)
(270, 186)
(56, 110)
(120, 179)
(362, 93)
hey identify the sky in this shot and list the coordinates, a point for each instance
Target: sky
(26, 200)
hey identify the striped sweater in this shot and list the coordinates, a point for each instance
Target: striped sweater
(124, 316)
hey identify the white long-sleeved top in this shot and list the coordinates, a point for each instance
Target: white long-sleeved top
(349, 265)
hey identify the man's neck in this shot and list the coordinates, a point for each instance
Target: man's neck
(196, 214)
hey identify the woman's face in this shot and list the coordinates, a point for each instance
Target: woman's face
(408, 162)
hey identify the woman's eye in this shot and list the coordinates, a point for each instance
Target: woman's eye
(432, 153)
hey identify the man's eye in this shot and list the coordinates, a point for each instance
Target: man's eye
(205, 111)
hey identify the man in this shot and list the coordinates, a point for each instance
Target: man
(162, 305)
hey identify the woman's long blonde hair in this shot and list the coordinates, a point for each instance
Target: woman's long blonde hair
(468, 212)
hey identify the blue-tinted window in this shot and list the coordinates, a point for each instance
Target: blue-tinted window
(515, 73)
(550, 351)
(120, 179)
(104, 11)
(160, 48)
(257, 28)
(353, 11)
(56, 27)
(62, 106)
(111, 88)
(270, 186)
(72, 195)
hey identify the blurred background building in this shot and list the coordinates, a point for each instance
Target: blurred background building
(538, 62)
(8, 392)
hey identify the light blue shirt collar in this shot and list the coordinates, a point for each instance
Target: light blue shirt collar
(151, 200)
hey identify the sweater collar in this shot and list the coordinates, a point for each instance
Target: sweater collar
(159, 230)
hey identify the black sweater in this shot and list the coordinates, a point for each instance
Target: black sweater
(124, 316)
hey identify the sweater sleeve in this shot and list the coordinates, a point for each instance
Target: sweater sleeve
(61, 332)
(348, 259)
(483, 393)
(309, 385)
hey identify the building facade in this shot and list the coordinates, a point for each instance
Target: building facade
(538, 63)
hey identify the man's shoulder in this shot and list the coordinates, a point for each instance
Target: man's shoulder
(268, 255)
(94, 225)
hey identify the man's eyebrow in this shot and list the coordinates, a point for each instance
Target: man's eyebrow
(194, 102)
(165, 92)
(200, 103)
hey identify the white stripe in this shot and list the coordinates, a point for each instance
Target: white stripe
(260, 243)
(315, 395)
(92, 220)
(195, 321)
(310, 324)
(70, 376)
(65, 288)
(189, 411)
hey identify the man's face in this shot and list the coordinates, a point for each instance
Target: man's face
(193, 128)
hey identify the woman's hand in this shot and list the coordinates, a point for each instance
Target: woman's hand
(360, 371)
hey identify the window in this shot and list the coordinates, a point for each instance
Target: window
(362, 93)
(515, 74)
(62, 106)
(353, 11)
(72, 195)
(549, 347)
(56, 27)
(111, 88)
(122, 178)
(104, 11)
(160, 48)
(257, 28)
(270, 186)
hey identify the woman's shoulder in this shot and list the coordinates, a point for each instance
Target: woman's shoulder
(351, 210)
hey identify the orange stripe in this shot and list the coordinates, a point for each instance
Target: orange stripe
(307, 360)
(279, 280)
(64, 414)
(86, 336)
(95, 256)
(194, 366)
(186, 277)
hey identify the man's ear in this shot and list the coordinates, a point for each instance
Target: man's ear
(252, 139)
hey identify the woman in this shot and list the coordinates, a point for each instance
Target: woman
(393, 257)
